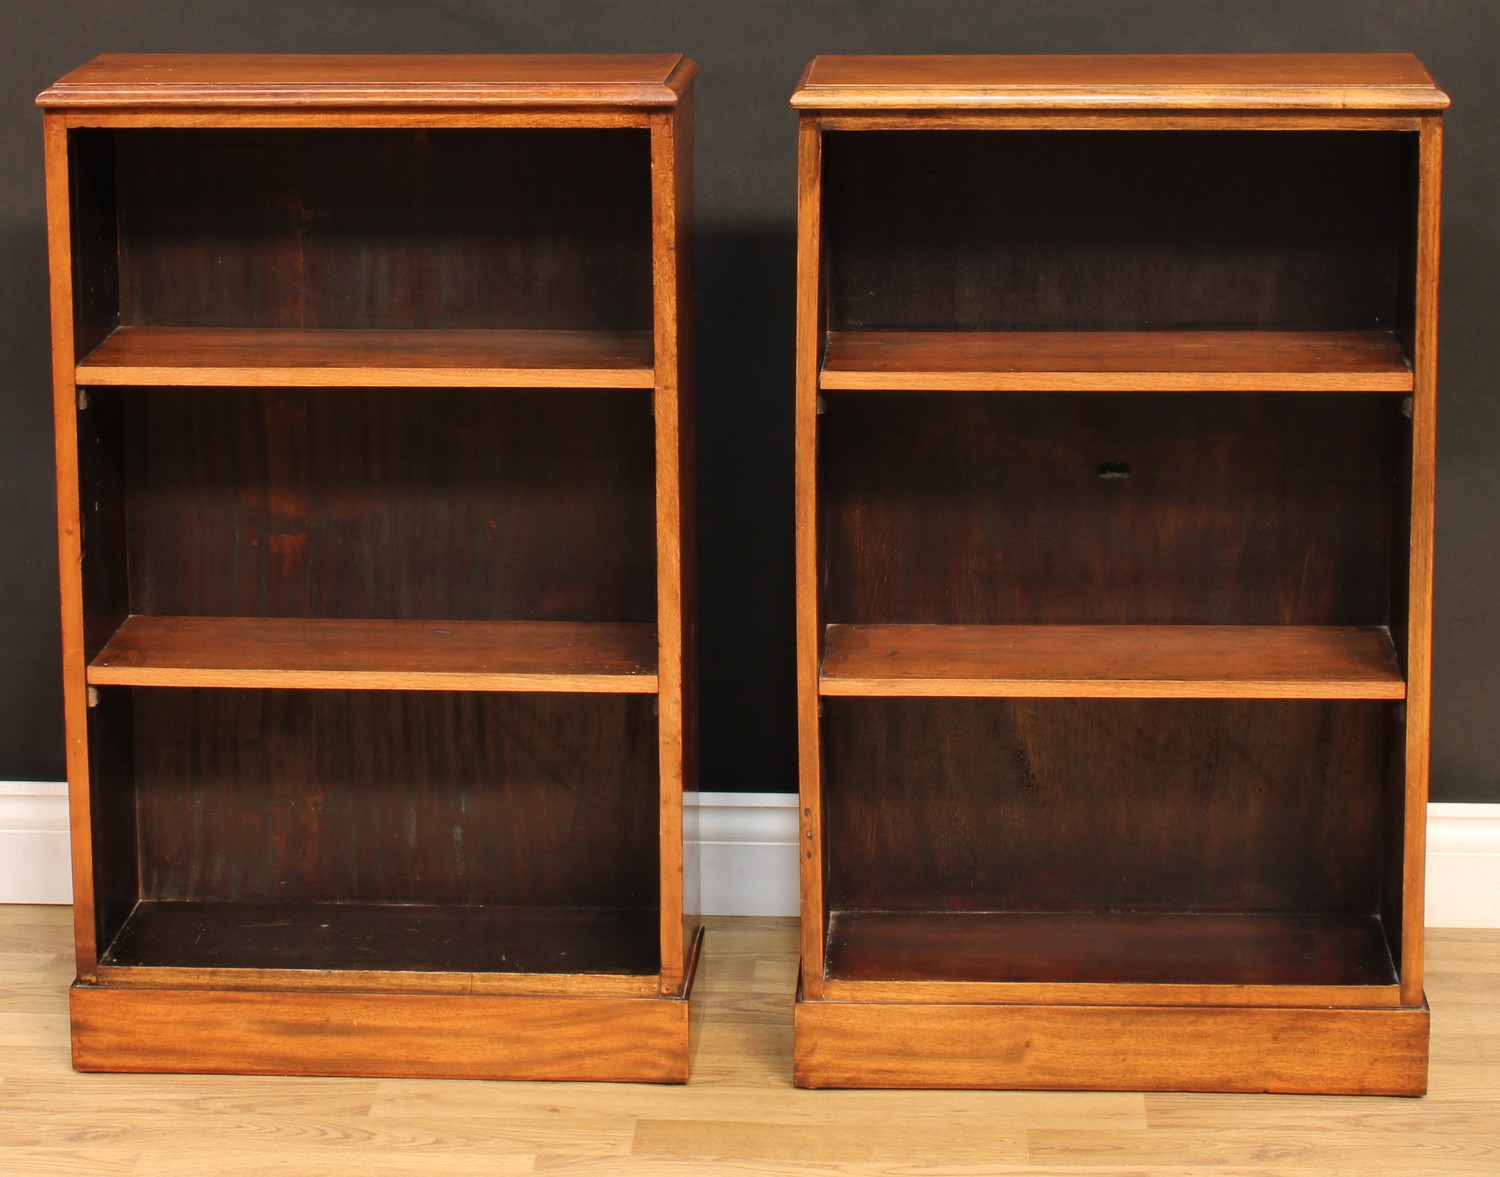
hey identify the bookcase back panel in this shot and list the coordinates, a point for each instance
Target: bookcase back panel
(384, 228)
(1091, 805)
(396, 797)
(391, 503)
(1121, 508)
(1078, 230)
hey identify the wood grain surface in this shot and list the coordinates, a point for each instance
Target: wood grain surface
(67, 326)
(1325, 1051)
(407, 504)
(811, 339)
(386, 938)
(1268, 81)
(1254, 231)
(362, 80)
(383, 228)
(1419, 588)
(1016, 843)
(1111, 508)
(1122, 661)
(402, 797)
(292, 357)
(1003, 119)
(1093, 806)
(379, 615)
(740, 1114)
(1124, 361)
(600, 1039)
(306, 653)
(1099, 948)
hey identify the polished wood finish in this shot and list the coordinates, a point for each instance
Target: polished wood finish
(385, 938)
(1124, 361)
(1280, 995)
(810, 345)
(1093, 240)
(219, 80)
(293, 358)
(1000, 119)
(393, 228)
(1108, 508)
(1104, 805)
(675, 419)
(1167, 950)
(740, 1113)
(442, 504)
(1334, 1051)
(61, 284)
(1240, 81)
(1118, 661)
(313, 654)
(409, 1035)
(1113, 504)
(379, 651)
(376, 796)
(1418, 594)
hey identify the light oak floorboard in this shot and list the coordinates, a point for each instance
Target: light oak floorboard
(740, 1115)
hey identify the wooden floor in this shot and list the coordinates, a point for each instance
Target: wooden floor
(740, 1114)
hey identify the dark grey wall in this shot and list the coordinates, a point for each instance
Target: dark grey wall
(751, 54)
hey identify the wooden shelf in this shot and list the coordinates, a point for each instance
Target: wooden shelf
(1112, 661)
(1116, 361)
(395, 937)
(304, 653)
(256, 357)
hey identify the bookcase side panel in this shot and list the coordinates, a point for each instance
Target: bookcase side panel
(62, 290)
(676, 566)
(811, 319)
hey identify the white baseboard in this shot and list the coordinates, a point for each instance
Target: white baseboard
(747, 847)
(747, 852)
(1463, 866)
(34, 855)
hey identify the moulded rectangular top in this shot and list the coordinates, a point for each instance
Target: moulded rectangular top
(343, 80)
(1254, 81)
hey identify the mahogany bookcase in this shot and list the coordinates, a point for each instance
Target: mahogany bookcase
(1114, 456)
(374, 454)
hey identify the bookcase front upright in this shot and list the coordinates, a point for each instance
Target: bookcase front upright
(374, 427)
(1114, 460)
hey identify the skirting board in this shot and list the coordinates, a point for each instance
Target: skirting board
(747, 845)
(34, 854)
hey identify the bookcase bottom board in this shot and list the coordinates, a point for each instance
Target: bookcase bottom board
(1155, 949)
(391, 937)
(1114, 1048)
(380, 1035)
